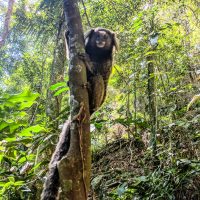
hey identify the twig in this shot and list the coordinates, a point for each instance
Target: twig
(85, 13)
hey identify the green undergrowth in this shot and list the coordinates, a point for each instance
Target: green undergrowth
(125, 170)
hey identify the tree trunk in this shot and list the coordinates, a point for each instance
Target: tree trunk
(7, 22)
(74, 168)
(152, 102)
(153, 42)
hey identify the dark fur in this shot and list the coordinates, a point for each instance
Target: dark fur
(102, 60)
(51, 186)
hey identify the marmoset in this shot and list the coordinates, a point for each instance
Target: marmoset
(99, 47)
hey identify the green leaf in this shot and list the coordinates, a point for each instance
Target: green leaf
(37, 128)
(57, 85)
(17, 183)
(26, 133)
(2, 184)
(150, 53)
(33, 129)
(24, 96)
(61, 91)
(8, 184)
(173, 89)
(13, 127)
(1, 157)
(22, 159)
(21, 114)
(98, 125)
(3, 125)
(26, 105)
(35, 167)
(11, 179)
(11, 139)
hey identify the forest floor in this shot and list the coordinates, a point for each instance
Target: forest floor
(115, 164)
(124, 169)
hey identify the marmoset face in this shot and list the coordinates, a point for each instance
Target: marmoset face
(102, 39)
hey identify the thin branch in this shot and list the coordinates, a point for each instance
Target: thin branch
(85, 13)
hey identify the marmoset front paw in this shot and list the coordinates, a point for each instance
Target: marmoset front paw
(86, 59)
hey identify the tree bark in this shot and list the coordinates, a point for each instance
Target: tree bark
(7, 22)
(152, 94)
(152, 102)
(74, 168)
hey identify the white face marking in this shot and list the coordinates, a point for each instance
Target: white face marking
(100, 44)
(102, 32)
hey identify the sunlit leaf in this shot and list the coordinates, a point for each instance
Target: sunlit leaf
(11, 179)
(13, 127)
(26, 105)
(61, 91)
(3, 125)
(17, 183)
(1, 157)
(10, 139)
(57, 85)
(22, 159)
(24, 96)
(150, 53)
(30, 130)
(2, 184)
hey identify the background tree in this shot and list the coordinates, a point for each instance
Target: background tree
(7, 22)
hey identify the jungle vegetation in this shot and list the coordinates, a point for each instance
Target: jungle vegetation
(145, 138)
